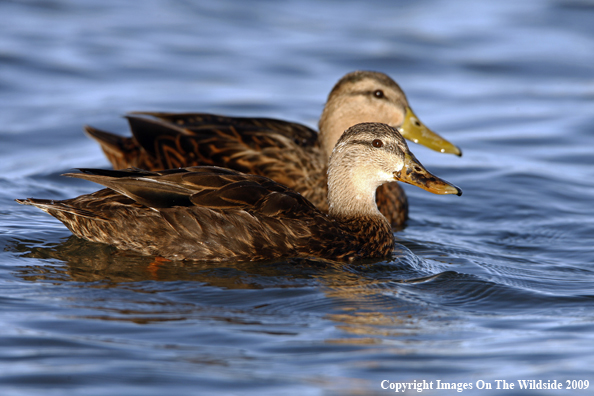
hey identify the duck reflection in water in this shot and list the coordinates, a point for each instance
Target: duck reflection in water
(362, 299)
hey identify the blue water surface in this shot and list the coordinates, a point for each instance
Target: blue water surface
(508, 268)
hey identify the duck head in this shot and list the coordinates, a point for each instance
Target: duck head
(366, 156)
(366, 96)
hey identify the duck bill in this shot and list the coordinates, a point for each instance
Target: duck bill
(414, 173)
(415, 131)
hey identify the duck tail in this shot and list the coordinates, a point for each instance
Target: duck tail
(120, 151)
(54, 207)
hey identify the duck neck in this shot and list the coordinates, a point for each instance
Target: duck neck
(338, 115)
(351, 195)
(355, 208)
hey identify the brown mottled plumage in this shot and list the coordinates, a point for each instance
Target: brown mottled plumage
(289, 153)
(216, 214)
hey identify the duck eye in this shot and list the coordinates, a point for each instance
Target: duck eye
(377, 143)
(378, 93)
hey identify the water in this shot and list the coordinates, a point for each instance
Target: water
(509, 266)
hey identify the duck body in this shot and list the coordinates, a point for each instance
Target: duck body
(216, 214)
(182, 216)
(289, 153)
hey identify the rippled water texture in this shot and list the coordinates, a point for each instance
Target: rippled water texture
(494, 285)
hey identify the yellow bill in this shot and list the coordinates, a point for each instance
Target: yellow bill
(415, 131)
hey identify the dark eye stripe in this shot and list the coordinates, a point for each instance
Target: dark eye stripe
(378, 93)
(367, 142)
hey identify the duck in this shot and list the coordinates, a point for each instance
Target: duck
(287, 152)
(218, 214)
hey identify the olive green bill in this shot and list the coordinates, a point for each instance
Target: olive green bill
(415, 131)
(414, 173)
